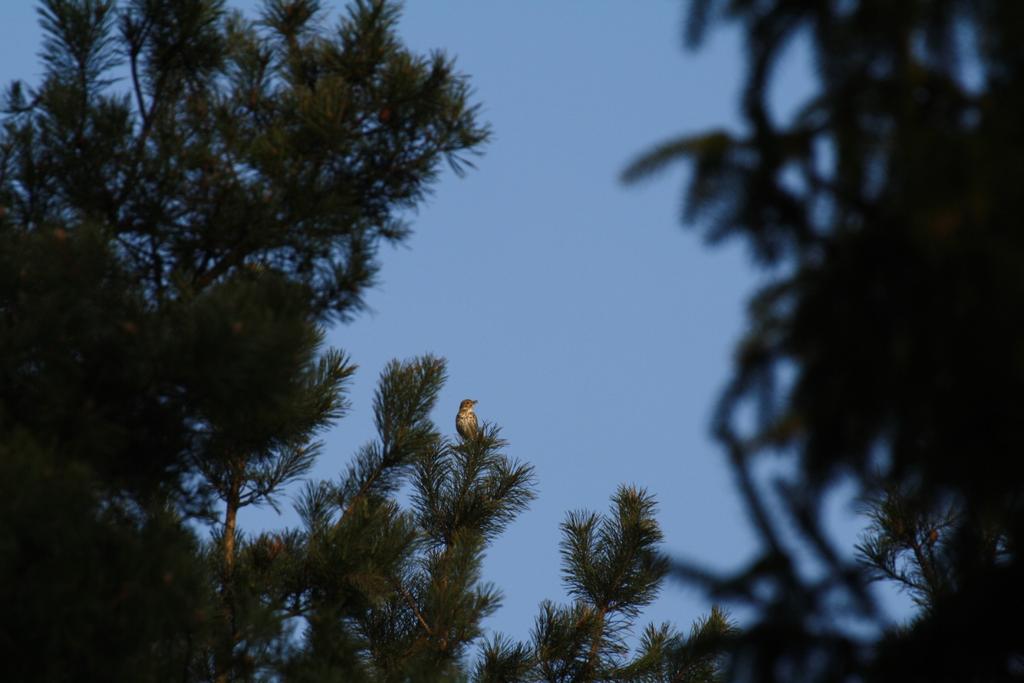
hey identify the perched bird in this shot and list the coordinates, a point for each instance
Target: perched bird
(465, 421)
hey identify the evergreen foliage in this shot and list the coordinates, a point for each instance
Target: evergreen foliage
(884, 209)
(612, 567)
(186, 199)
(909, 543)
(396, 588)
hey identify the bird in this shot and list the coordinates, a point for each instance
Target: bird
(465, 421)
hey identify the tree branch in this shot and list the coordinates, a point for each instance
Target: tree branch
(412, 605)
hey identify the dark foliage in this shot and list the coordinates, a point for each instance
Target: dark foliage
(885, 208)
(612, 567)
(186, 197)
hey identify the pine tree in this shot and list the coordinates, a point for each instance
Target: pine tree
(395, 593)
(885, 349)
(612, 567)
(186, 198)
(908, 544)
(368, 589)
(912, 542)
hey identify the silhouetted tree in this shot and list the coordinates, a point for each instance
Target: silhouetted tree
(889, 339)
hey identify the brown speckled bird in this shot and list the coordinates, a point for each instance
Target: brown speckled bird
(465, 421)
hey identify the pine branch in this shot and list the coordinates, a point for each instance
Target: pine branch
(411, 604)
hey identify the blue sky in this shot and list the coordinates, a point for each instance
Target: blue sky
(588, 324)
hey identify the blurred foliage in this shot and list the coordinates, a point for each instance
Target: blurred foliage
(887, 347)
